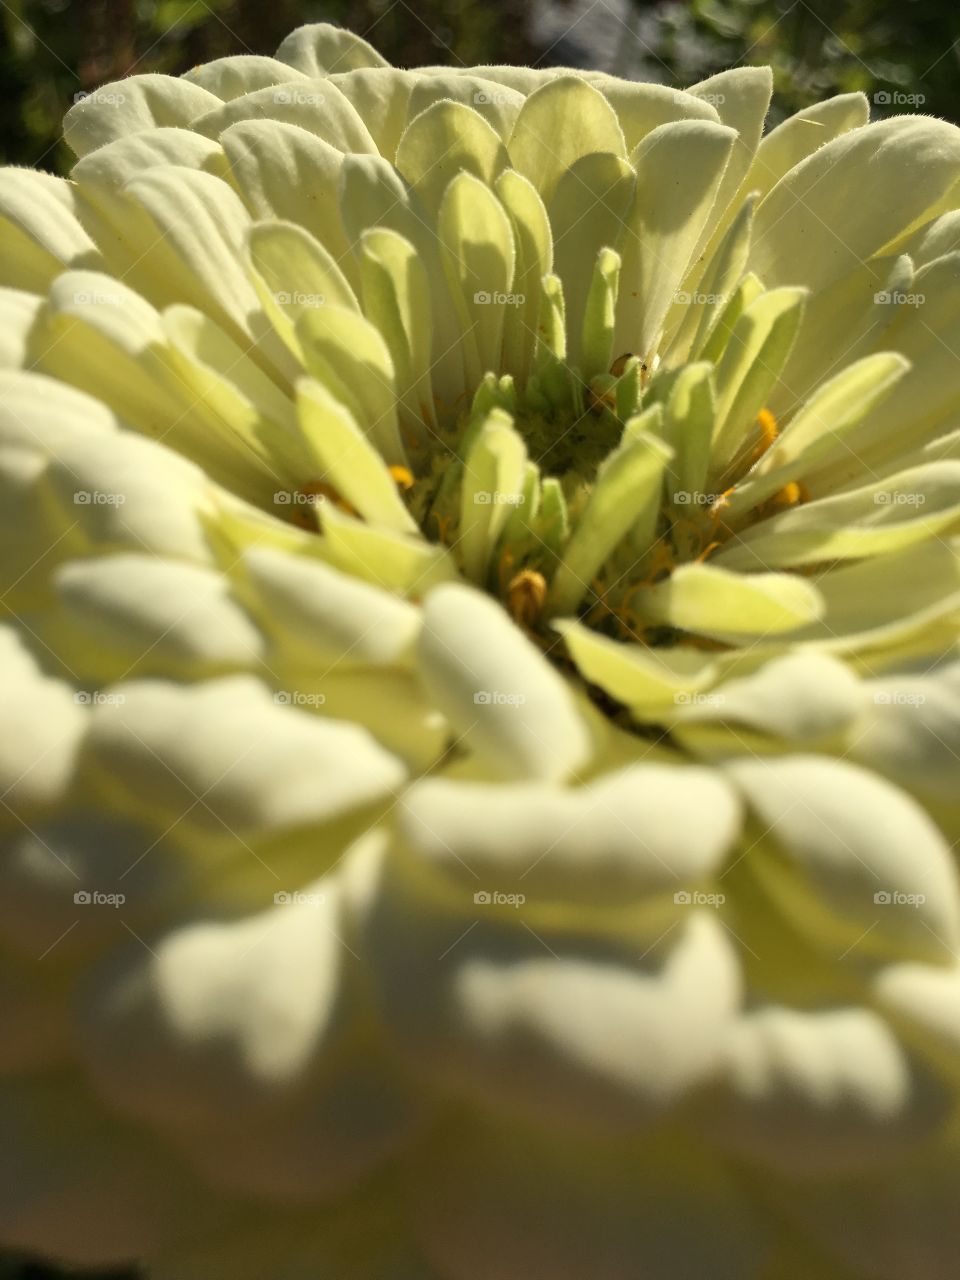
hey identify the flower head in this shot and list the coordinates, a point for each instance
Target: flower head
(481, 588)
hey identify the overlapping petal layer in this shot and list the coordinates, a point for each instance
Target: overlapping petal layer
(480, 676)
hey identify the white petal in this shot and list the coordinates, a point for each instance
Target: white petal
(558, 123)
(820, 1093)
(646, 829)
(133, 613)
(679, 170)
(864, 868)
(469, 649)
(801, 696)
(320, 49)
(315, 105)
(258, 765)
(804, 233)
(43, 728)
(41, 233)
(322, 618)
(137, 104)
(229, 78)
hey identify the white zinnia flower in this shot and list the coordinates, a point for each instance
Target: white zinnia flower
(481, 709)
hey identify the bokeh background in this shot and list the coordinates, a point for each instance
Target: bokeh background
(904, 54)
(53, 49)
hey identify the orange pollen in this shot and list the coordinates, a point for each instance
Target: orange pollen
(789, 496)
(768, 428)
(402, 476)
(721, 502)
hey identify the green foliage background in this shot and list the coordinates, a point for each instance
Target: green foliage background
(51, 50)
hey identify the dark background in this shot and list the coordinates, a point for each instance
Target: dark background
(51, 50)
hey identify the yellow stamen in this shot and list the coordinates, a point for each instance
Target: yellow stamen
(768, 428)
(443, 525)
(789, 496)
(721, 502)
(526, 596)
(403, 476)
(662, 561)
